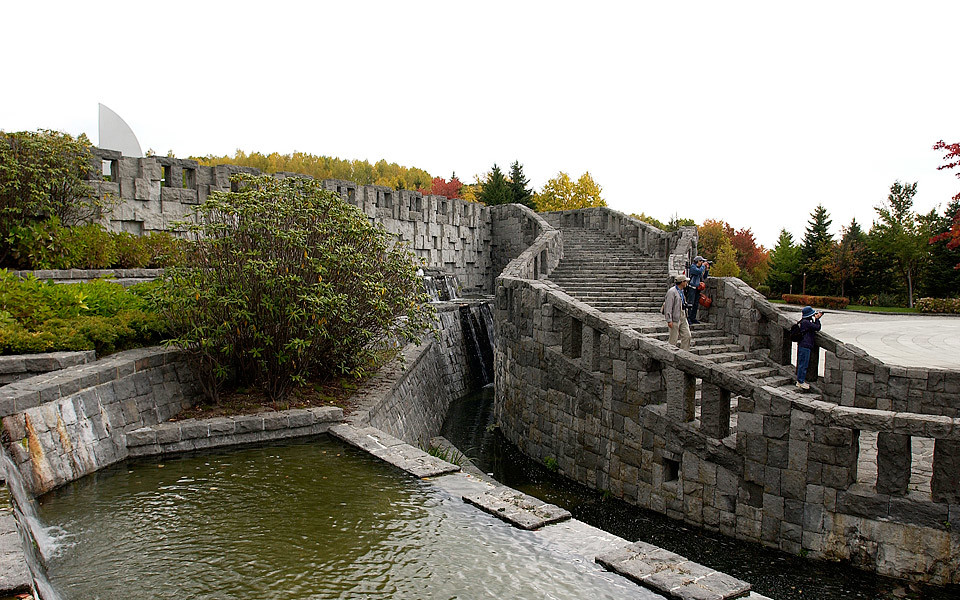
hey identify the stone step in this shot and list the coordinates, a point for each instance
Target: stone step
(725, 357)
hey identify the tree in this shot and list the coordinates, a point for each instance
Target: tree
(817, 241)
(450, 189)
(752, 259)
(650, 220)
(901, 235)
(952, 235)
(784, 264)
(562, 193)
(710, 236)
(496, 189)
(947, 229)
(288, 281)
(676, 222)
(726, 263)
(842, 263)
(518, 185)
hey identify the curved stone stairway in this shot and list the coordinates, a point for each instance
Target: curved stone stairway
(601, 270)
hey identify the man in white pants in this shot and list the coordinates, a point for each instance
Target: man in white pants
(674, 310)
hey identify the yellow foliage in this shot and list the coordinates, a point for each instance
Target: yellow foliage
(562, 193)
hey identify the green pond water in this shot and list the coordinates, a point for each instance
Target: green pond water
(314, 519)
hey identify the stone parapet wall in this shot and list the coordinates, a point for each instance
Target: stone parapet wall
(63, 425)
(618, 411)
(154, 193)
(172, 437)
(14, 367)
(515, 230)
(122, 276)
(851, 376)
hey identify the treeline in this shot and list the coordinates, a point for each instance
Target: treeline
(494, 187)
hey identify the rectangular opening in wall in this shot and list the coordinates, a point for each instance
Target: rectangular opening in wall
(111, 170)
(671, 470)
(573, 338)
(387, 200)
(543, 262)
(189, 179)
(165, 177)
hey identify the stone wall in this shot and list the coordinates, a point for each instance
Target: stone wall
(153, 193)
(410, 401)
(65, 424)
(618, 411)
(21, 366)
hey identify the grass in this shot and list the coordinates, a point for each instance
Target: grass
(865, 308)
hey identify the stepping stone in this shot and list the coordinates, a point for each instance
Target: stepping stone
(396, 452)
(671, 574)
(517, 508)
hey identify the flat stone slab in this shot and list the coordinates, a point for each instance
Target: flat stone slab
(14, 576)
(671, 574)
(396, 452)
(517, 508)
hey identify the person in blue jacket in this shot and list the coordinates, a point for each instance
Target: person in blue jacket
(697, 272)
(809, 326)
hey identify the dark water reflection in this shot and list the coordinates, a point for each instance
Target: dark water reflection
(776, 574)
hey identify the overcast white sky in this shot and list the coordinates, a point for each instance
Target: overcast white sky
(750, 112)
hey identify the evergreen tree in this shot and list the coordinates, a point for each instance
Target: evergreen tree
(496, 189)
(726, 263)
(518, 185)
(784, 264)
(863, 278)
(817, 241)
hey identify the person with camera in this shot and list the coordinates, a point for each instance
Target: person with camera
(809, 325)
(697, 272)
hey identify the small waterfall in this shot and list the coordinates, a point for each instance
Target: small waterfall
(39, 543)
(430, 286)
(487, 316)
(451, 286)
(440, 286)
(480, 369)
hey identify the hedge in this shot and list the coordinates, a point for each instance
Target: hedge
(938, 305)
(837, 302)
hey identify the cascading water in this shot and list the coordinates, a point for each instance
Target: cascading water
(39, 542)
(478, 347)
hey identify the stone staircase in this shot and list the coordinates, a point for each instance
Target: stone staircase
(602, 271)
(599, 269)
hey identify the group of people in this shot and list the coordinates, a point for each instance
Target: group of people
(683, 300)
(682, 303)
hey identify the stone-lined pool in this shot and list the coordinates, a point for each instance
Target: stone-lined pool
(309, 519)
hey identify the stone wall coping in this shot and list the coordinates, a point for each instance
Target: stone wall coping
(43, 362)
(86, 274)
(172, 437)
(33, 391)
(871, 419)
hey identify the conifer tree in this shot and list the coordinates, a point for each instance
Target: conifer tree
(518, 185)
(784, 264)
(726, 263)
(901, 235)
(496, 189)
(817, 242)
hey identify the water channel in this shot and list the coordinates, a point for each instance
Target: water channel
(309, 519)
(778, 575)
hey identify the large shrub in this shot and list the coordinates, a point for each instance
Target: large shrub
(288, 281)
(42, 175)
(939, 305)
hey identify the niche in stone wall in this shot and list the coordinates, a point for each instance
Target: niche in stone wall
(189, 179)
(110, 170)
(166, 177)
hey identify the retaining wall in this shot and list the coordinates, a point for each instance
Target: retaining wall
(65, 424)
(618, 411)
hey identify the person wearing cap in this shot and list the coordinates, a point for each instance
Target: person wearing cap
(697, 272)
(809, 326)
(674, 310)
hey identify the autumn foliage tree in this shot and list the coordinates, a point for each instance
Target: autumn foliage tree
(450, 189)
(562, 193)
(951, 236)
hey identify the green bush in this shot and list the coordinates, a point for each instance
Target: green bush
(837, 302)
(165, 250)
(49, 245)
(289, 281)
(765, 291)
(939, 305)
(132, 251)
(99, 315)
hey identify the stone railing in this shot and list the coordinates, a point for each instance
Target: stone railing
(618, 411)
(123, 276)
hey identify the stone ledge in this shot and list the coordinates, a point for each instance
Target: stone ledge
(21, 366)
(197, 434)
(517, 508)
(396, 452)
(671, 574)
(14, 576)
